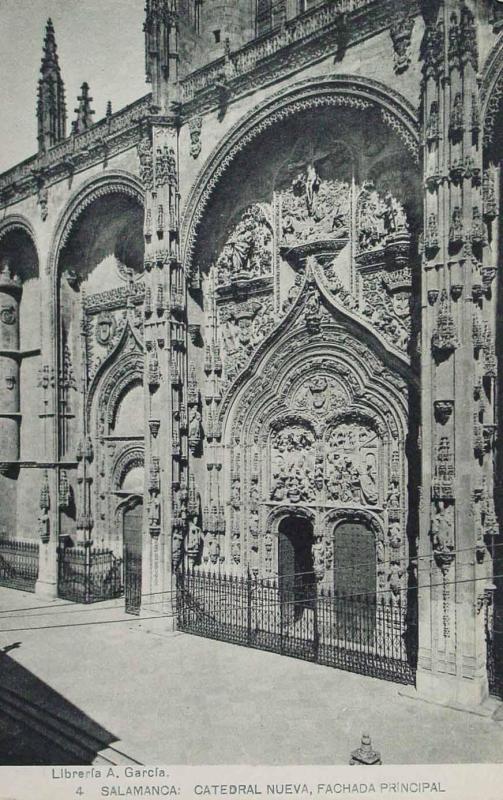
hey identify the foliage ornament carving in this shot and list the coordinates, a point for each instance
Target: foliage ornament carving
(165, 166)
(443, 471)
(144, 150)
(444, 339)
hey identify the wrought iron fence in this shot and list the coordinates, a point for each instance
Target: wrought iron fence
(87, 575)
(132, 581)
(494, 652)
(18, 564)
(371, 634)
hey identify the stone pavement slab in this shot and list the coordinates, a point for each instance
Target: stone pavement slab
(180, 699)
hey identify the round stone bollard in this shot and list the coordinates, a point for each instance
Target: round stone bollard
(365, 754)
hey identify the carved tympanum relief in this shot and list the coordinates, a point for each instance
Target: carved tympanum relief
(314, 210)
(358, 239)
(247, 252)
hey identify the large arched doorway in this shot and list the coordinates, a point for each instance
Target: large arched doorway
(295, 567)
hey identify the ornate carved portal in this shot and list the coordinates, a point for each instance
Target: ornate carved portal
(315, 433)
(313, 420)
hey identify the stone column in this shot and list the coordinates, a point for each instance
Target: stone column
(457, 381)
(10, 298)
(165, 347)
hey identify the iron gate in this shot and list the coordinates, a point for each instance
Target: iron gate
(494, 651)
(132, 581)
(87, 575)
(370, 634)
(133, 520)
(18, 564)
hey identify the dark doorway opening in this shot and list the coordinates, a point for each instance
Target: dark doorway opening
(297, 580)
(354, 560)
(355, 581)
(133, 525)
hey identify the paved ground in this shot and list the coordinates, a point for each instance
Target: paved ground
(179, 699)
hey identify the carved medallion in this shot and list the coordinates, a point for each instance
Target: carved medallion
(105, 328)
(8, 314)
(320, 394)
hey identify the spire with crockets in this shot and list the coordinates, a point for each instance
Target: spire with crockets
(51, 108)
(84, 111)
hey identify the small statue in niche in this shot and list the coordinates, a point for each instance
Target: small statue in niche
(394, 215)
(194, 428)
(432, 128)
(318, 551)
(380, 551)
(236, 493)
(456, 231)
(442, 529)
(241, 246)
(278, 487)
(312, 184)
(154, 511)
(313, 318)
(457, 116)
(395, 578)
(193, 541)
(153, 375)
(393, 497)
(213, 549)
(176, 553)
(395, 535)
(369, 486)
(236, 548)
(43, 525)
(268, 543)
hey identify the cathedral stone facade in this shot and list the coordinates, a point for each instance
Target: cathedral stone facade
(249, 323)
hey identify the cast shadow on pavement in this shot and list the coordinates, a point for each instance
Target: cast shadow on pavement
(38, 726)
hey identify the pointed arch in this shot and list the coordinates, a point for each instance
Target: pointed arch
(334, 90)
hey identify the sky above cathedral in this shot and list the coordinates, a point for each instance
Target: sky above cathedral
(99, 41)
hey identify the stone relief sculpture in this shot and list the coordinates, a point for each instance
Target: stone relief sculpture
(314, 209)
(378, 217)
(247, 252)
(292, 464)
(352, 465)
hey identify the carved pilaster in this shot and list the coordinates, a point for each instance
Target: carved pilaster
(455, 239)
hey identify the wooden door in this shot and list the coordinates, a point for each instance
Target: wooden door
(354, 560)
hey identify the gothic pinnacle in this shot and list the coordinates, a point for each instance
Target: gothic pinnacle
(84, 111)
(51, 108)
(50, 55)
